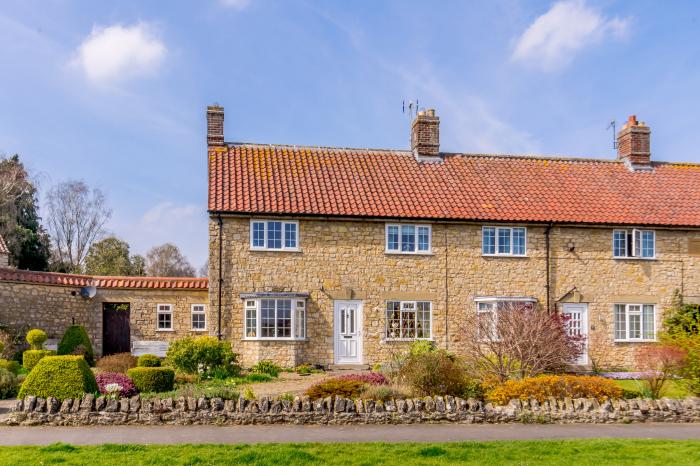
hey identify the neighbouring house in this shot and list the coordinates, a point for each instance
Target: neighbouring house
(345, 256)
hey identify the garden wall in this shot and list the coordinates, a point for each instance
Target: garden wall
(102, 411)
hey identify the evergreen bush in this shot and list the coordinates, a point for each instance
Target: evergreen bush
(60, 377)
(76, 342)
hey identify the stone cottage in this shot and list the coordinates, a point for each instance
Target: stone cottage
(341, 256)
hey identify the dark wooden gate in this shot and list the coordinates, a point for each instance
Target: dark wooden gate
(116, 331)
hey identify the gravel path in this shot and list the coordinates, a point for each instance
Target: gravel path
(290, 382)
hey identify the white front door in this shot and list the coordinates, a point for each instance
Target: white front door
(347, 323)
(577, 324)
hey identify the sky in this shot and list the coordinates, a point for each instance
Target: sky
(114, 93)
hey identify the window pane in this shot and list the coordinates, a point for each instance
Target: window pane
(251, 324)
(637, 243)
(274, 235)
(284, 318)
(519, 241)
(648, 322)
(620, 243)
(488, 241)
(408, 238)
(648, 244)
(258, 235)
(620, 322)
(393, 319)
(290, 235)
(392, 238)
(504, 240)
(423, 238)
(300, 320)
(408, 320)
(198, 322)
(267, 318)
(165, 321)
(423, 320)
(635, 326)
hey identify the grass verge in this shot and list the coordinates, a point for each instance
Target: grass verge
(672, 388)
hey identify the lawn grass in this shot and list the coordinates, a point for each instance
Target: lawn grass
(672, 388)
(560, 452)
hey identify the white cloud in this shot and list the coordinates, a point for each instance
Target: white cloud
(120, 52)
(237, 4)
(553, 39)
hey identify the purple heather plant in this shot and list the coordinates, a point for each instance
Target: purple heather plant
(106, 378)
(625, 375)
(372, 378)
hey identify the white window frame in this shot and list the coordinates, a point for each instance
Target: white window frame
(194, 312)
(636, 246)
(496, 229)
(253, 305)
(416, 251)
(266, 222)
(415, 319)
(163, 312)
(640, 313)
(493, 302)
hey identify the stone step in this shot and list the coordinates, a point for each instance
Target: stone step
(348, 367)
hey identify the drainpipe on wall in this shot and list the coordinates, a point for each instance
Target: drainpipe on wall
(447, 296)
(221, 273)
(547, 232)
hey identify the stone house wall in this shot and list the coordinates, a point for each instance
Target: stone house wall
(346, 259)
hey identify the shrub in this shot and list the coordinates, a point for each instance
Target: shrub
(335, 387)
(36, 338)
(422, 346)
(8, 384)
(434, 373)
(152, 379)
(659, 363)
(557, 386)
(304, 369)
(148, 360)
(2, 347)
(120, 362)
(31, 358)
(249, 394)
(12, 366)
(267, 367)
(256, 377)
(203, 355)
(370, 378)
(76, 342)
(106, 378)
(61, 377)
(384, 392)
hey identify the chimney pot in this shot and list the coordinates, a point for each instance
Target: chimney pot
(215, 125)
(425, 135)
(634, 144)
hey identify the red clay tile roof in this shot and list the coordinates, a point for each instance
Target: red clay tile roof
(66, 279)
(287, 180)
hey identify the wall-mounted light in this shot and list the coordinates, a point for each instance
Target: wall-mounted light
(571, 245)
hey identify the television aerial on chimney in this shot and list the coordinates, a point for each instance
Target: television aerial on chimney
(614, 133)
(411, 108)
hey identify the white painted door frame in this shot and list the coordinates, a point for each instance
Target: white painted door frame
(347, 332)
(578, 311)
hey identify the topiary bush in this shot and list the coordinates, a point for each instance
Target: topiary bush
(152, 379)
(335, 387)
(61, 377)
(12, 366)
(267, 367)
(76, 342)
(148, 360)
(106, 378)
(36, 338)
(8, 384)
(120, 362)
(557, 386)
(31, 358)
(204, 356)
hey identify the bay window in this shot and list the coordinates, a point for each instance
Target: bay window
(275, 319)
(635, 322)
(408, 320)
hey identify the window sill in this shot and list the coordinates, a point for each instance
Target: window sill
(636, 341)
(165, 330)
(283, 340)
(635, 258)
(508, 256)
(273, 250)
(404, 253)
(198, 330)
(403, 340)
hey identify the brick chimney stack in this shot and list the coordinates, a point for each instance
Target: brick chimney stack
(633, 144)
(215, 125)
(425, 135)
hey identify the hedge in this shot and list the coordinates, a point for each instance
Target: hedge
(76, 341)
(11, 365)
(31, 358)
(557, 386)
(8, 384)
(60, 377)
(152, 379)
(148, 360)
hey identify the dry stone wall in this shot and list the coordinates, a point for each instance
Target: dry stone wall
(103, 411)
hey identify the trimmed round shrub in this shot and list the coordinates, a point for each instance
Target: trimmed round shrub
(152, 379)
(123, 380)
(335, 387)
(8, 384)
(31, 358)
(203, 355)
(36, 338)
(557, 386)
(12, 366)
(76, 342)
(267, 367)
(61, 377)
(120, 362)
(148, 360)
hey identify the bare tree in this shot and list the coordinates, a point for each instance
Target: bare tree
(204, 270)
(77, 215)
(518, 340)
(167, 261)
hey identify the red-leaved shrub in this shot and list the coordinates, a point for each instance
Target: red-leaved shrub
(371, 378)
(660, 363)
(106, 378)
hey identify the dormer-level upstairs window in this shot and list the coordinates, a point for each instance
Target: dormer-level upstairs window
(503, 241)
(405, 238)
(274, 235)
(634, 244)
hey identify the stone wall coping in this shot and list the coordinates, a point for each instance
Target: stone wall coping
(91, 410)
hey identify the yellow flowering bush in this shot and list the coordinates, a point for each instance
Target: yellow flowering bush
(557, 386)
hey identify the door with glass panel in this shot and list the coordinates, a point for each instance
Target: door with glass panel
(348, 332)
(577, 325)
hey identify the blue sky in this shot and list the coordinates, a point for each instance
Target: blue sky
(114, 93)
